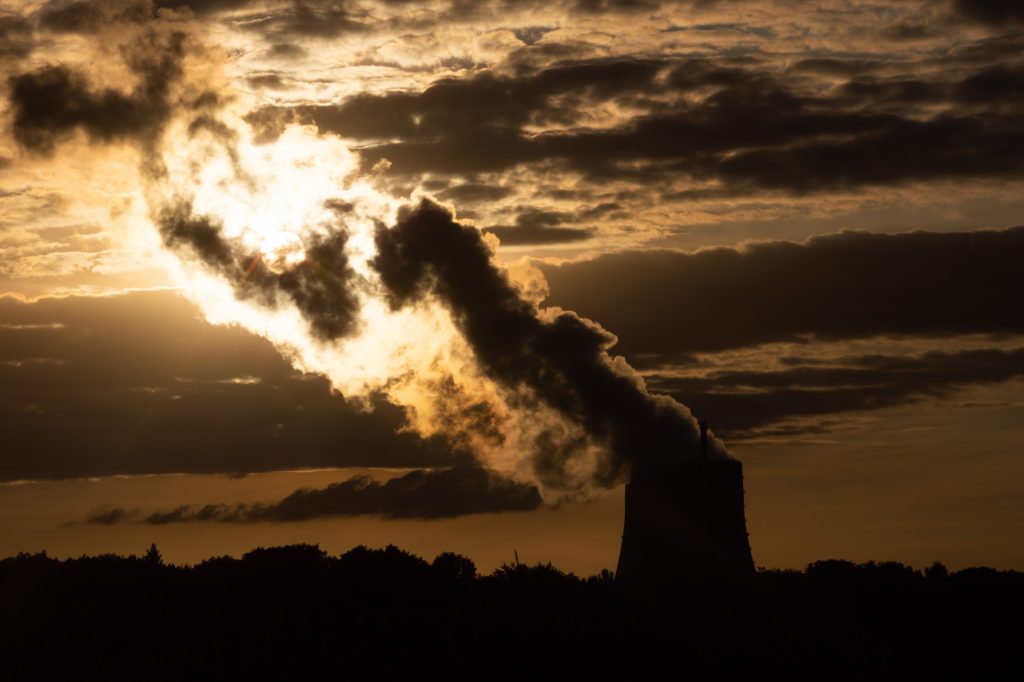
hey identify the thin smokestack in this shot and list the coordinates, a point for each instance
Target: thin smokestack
(704, 439)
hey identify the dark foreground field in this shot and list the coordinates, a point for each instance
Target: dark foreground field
(296, 613)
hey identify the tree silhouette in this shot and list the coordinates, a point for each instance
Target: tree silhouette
(295, 610)
(153, 556)
(453, 566)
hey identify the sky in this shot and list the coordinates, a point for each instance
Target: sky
(441, 273)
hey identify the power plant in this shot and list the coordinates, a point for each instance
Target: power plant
(685, 518)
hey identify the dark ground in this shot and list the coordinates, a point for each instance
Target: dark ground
(294, 612)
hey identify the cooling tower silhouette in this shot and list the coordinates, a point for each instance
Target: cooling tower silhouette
(684, 517)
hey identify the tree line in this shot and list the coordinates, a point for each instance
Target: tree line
(296, 611)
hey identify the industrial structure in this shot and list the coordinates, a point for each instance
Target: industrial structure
(685, 518)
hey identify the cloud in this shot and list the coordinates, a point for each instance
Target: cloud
(944, 147)
(839, 286)
(726, 27)
(286, 51)
(91, 16)
(204, 7)
(470, 192)
(53, 101)
(283, 22)
(726, 121)
(615, 6)
(16, 36)
(117, 385)
(998, 13)
(836, 66)
(106, 515)
(747, 403)
(420, 494)
(529, 35)
(1001, 83)
(488, 101)
(761, 143)
(541, 227)
(537, 234)
(267, 81)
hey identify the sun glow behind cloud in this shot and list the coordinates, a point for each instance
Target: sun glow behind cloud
(274, 201)
(273, 198)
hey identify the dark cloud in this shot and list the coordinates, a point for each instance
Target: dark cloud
(738, 124)
(15, 36)
(561, 357)
(204, 7)
(1008, 47)
(997, 13)
(138, 384)
(845, 285)
(542, 227)
(538, 234)
(1000, 84)
(286, 51)
(531, 34)
(834, 66)
(743, 403)
(615, 6)
(484, 102)
(891, 94)
(53, 101)
(726, 27)
(545, 54)
(770, 143)
(301, 19)
(420, 494)
(90, 16)
(908, 30)
(271, 81)
(474, 193)
(945, 147)
(108, 516)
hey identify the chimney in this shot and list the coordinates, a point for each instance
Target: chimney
(703, 439)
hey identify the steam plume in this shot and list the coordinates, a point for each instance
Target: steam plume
(319, 285)
(404, 301)
(561, 357)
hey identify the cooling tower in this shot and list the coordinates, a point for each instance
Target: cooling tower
(684, 519)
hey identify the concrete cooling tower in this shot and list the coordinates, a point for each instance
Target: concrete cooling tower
(685, 519)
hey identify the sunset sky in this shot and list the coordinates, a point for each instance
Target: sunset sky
(425, 273)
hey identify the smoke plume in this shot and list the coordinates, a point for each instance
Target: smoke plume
(560, 357)
(319, 285)
(286, 238)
